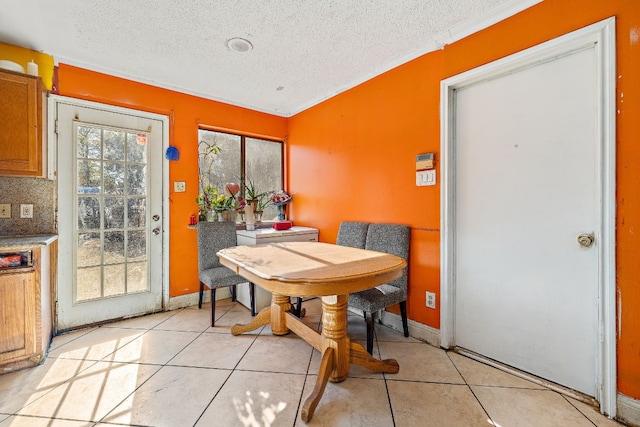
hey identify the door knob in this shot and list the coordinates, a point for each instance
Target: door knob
(156, 231)
(586, 240)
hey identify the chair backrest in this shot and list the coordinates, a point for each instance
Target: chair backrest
(212, 237)
(352, 234)
(391, 239)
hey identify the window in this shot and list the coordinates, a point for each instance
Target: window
(225, 157)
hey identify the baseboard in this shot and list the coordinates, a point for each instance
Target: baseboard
(416, 330)
(628, 410)
(189, 300)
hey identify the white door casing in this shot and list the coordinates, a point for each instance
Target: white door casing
(502, 166)
(141, 263)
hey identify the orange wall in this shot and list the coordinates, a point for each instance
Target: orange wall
(353, 156)
(186, 113)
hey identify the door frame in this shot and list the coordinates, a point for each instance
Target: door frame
(602, 35)
(53, 166)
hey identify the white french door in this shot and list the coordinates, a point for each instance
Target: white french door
(110, 213)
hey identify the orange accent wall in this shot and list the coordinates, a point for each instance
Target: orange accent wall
(186, 113)
(353, 156)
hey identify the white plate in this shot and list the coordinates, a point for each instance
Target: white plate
(12, 66)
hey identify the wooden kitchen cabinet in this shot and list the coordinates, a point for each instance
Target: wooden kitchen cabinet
(26, 316)
(22, 124)
(17, 315)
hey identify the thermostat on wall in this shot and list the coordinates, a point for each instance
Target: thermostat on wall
(424, 161)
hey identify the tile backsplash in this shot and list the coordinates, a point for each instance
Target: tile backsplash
(39, 192)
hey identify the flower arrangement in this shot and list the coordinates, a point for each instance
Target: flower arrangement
(211, 199)
(207, 198)
(280, 197)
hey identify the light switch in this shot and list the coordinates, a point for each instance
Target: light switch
(425, 178)
(430, 177)
(179, 186)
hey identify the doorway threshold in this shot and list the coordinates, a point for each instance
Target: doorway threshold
(566, 391)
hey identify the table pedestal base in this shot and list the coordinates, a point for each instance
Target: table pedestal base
(338, 352)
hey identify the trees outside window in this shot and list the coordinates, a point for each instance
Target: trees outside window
(250, 162)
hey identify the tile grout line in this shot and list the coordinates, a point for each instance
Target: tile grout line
(470, 389)
(228, 377)
(566, 398)
(152, 364)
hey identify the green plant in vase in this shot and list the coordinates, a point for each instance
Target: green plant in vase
(263, 202)
(254, 197)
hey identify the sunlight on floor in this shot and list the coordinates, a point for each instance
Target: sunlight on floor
(256, 412)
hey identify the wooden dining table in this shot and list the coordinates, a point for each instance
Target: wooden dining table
(312, 269)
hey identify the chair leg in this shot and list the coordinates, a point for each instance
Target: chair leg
(296, 307)
(371, 321)
(299, 307)
(233, 293)
(403, 314)
(252, 297)
(200, 295)
(213, 307)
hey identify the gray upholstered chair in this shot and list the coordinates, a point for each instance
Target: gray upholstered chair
(212, 237)
(392, 239)
(352, 233)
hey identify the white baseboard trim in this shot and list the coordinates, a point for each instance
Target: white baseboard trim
(628, 410)
(189, 300)
(416, 330)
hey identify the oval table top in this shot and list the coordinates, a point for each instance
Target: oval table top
(312, 268)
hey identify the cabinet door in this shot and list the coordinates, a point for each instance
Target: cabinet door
(17, 315)
(20, 125)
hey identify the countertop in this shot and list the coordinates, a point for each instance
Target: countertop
(11, 243)
(270, 232)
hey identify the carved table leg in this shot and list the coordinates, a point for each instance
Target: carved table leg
(263, 318)
(334, 334)
(361, 357)
(274, 315)
(280, 304)
(323, 375)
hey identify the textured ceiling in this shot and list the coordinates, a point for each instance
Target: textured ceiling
(305, 51)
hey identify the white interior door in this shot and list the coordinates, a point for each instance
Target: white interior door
(110, 214)
(530, 172)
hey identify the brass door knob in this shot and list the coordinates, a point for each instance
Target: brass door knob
(586, 240)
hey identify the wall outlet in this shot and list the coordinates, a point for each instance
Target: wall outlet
(26, 211)
(431, 300)
(5, 210)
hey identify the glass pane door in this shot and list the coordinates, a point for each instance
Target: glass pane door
(111, 200)
(110, 212)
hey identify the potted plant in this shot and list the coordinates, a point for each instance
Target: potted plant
(206, 201)
(263, 203)
(252, 195)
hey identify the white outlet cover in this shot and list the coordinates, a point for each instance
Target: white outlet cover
(26, 211)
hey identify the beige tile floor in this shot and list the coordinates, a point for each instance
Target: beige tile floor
(173, 369)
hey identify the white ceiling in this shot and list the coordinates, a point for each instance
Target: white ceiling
(305, 51)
